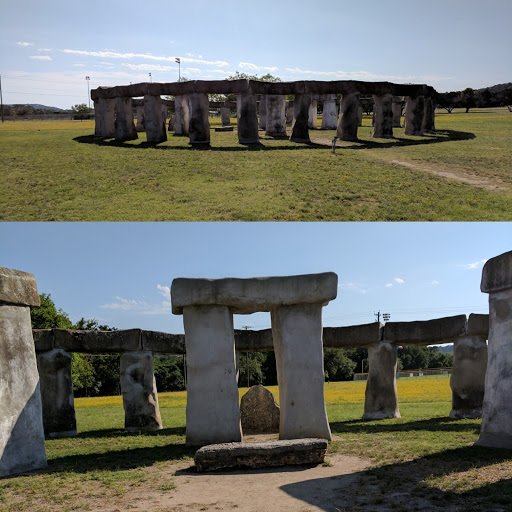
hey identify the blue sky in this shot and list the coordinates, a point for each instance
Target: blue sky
(120, 273)
(48, 48)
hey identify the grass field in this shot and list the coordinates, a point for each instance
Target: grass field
(57, 171)
(422, 457)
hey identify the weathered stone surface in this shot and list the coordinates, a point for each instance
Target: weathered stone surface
(352, 336)
(140, 397)
(425, 332)
(254, 294)
(247, 119)
(300, 125)
(253, 341)
(163, 342)
(199, 125)
(297, 334)
(225, 116)
(181, 116)
(383, 110)
(289, 112)
(497, 273)
(43, 339)
(258, 455)
(413, 118)
(124, 125)
(139, 115)
(170, 126)
(276, 119)
(313, 115)
(397, 111)
(213, 411)
(427, 125)
(154, 119)
(98, 341)
(478, 324)
(262, 110)
(468, 376)
(17, 287)
(105, 118)
(259, 412)
(381, 399)
(21, 420)
(57, 393)
(330, 114)
(349, 117)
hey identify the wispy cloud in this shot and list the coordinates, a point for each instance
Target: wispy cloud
(44, 50)
(41, 57)
(399, 280)
(254, 67)
(123, 304)
(435, 282)
(143, 307)
(354, 287)
(388, 285)
(471, 266)
(79, 65)
(24, 43)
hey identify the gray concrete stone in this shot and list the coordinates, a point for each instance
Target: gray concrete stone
(352, 336)
(21, 420)
(105, 118)
(163, 342)
(140, 397)
(128, 340)
(259, 412)
(254, 341)
(262, 107)
(349, 117)
(246, 296)
(413, 118)
(258, 455)
(397, 111)
(496, 429)
(139, 115)
(313, 115)
(43, 339)
(427, 125)
(181, 115)
(297, 334)
(213, 411)
(289, 112)
(154, 119)
(124, 125)
(276, 119)
(199, 125)
(300, 125)
(54, 368)
(468, 376)
(360, 115)
(381, 398)
(170, 126)
(330, 114)
(478, 324)
(225, 116)
(247, 119)
(383, 110)
(97, 121)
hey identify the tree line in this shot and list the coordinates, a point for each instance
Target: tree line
(497, 96)
(98, 374)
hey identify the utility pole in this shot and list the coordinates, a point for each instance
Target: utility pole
(385, 316)
(1, 99)
(178, 61)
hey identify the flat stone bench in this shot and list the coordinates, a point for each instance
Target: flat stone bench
(259, 455)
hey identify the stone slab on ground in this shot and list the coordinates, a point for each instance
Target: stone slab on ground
(259, 455)
(223, 128)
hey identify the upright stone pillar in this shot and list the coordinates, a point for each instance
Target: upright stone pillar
(97, 122)
(289, 112)
(330, 114)
(140, 396)
(213, 411)
(381, 398)
(262, 104)
(181, 115)
(59, 418)
(397, 111)
(170, 127)
(199, 125)
(383, 109)
(349, 117)
(496, 429)
(225, 116)
(276, 119)
(360, 115)
(105, 116)
(247, 119)
(427, 125)
(313, 115)
(413, 119)
(300, 130)
(139, 114)
(21, 417)
(297, 335)
(124, 123)
(154, 119)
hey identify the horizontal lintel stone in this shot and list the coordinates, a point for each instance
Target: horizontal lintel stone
(478, 325)
(425, 332)
(18, 288)
(98, 341)
(352, 336)
(254, 341)
(163, 343)
(497, 273)
(246, 296)
(43, 339)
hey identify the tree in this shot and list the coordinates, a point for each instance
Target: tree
(168, 373)
(337, 365)
(468, 98)
(81, 111)
(47, 316)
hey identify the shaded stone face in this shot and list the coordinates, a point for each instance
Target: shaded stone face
(247, 119)
(383, 120)
(124, 126)
(349, 117)
(154, 119)
(276, 119)
(300, 125)
(414, 110)
(199, 126)
(259, 411)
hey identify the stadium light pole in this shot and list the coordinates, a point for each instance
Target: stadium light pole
(87, 78)
(178, 61)
(150, 79)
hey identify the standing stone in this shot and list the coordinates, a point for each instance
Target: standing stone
(397, 111)
(313, 115)
(154, 119)
(297, 334)
(139, 114)
(97, 122)
(59, 418)
(213, 411)
(496, 429)
(170, 127)
(259, 411)
(413, 119)
(21, 417)
(140, 397)
(199, 125)
(330, 114)
(247, 119)
(124, 123)
(468, 376)
(105, 116)
(349, 117)
(225, 116)
(276, 119)
(300, 130)
(262, 104)
(181, 115)
(289, 112)
(381, 398)
(383, 110)
(427, 125)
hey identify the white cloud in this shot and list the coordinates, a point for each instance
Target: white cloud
(24, 43)
(435, 282)
(125, 304)
(142, 307)
(44, 50)
(471, 266)
(389, 285)
(399, 280)
(41, 57)
(79, 65)
(254, 67)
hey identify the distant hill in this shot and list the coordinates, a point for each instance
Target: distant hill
(497, 88)
(37, 106)
(446, 349)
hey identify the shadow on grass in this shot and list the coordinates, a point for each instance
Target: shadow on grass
(437, 137)
(118, 432)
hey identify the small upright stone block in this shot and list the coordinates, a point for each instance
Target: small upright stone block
(259, 411)
(124, 122)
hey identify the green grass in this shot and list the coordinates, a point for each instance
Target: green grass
(59, 171)
(423, 459)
